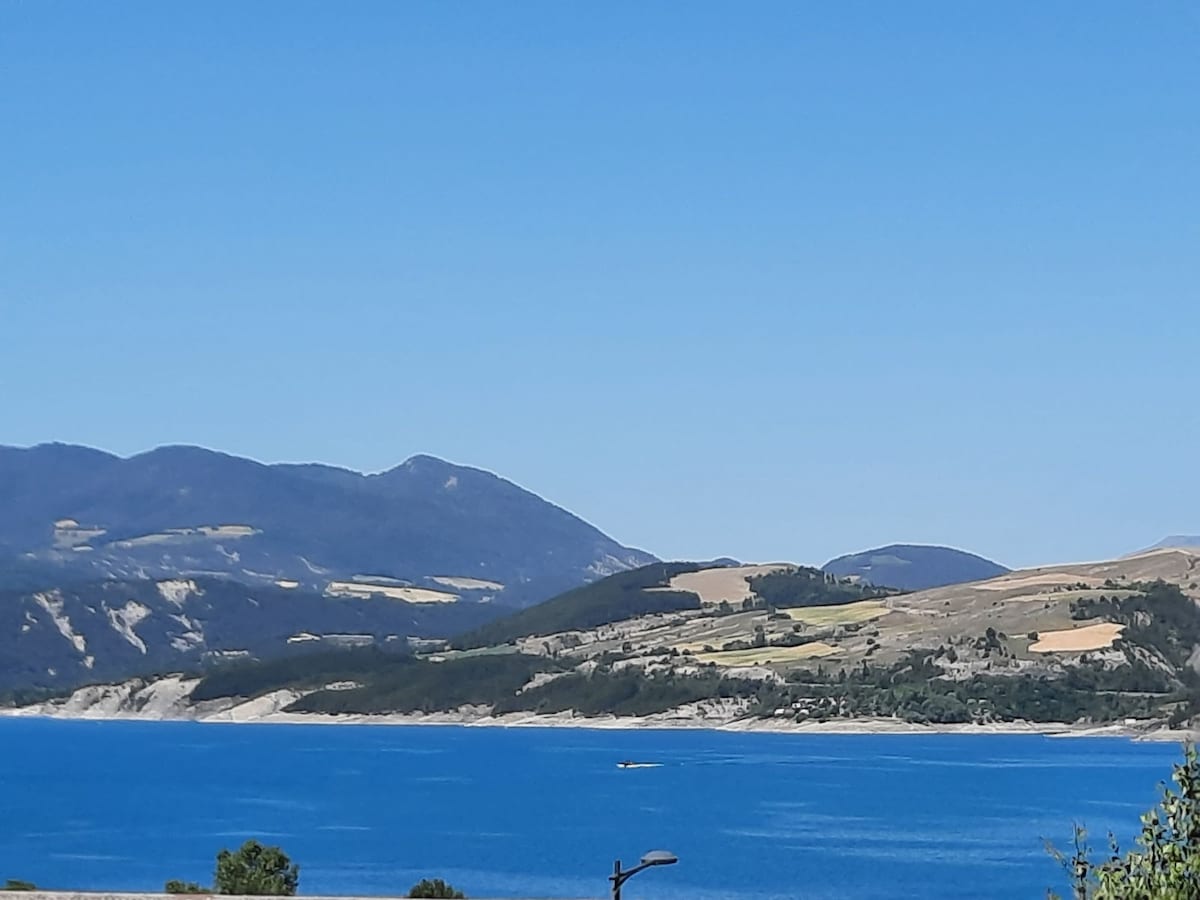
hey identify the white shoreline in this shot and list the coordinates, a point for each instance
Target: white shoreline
(662, 722)
(169, 699)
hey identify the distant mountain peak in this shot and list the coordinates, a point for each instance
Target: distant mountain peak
(914, 567)
(1177, 540)
(423, 465)
(427, 459)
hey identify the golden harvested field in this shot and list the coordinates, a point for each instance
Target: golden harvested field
(714, 585)
(1039, 579)
(766, 655)
(845, 614)
(1077, 640)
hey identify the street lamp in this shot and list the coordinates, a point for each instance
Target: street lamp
(653, 858)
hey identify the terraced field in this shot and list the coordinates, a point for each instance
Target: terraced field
(762, 656)
(846, 614)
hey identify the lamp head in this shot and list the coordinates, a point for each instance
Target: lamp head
(659, 858)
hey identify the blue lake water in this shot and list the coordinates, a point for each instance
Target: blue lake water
(544, 812)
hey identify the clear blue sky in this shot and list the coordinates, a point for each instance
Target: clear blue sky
(772, 280)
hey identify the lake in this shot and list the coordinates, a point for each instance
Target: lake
(539, 812)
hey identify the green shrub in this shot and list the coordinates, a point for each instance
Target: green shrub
(175, 886)
(1166, 863)
(258, 870)
(435, 888)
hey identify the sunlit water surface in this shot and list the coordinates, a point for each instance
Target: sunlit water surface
(526, 812)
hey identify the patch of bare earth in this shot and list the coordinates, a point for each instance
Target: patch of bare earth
(463, 583)
(407, 594)
(1010, 582)
(1077, 640)
(714, 585)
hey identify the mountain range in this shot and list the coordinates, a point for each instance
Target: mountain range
(424, 531)
(182, 557)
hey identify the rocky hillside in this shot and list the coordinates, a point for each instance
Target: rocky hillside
(113, 630)
(425, 531)
(914, 567)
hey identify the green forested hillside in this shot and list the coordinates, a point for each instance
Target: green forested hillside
(622, 596)
(366, 682)
(253, 678)
(799, 586)
(625, 692)
(420, 685)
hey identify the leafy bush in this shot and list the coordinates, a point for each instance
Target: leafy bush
(1166, 864)
(256, 870)
(435, 888)
(175, 886)
(16, 884)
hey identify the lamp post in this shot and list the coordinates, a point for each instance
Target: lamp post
(653, 858)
